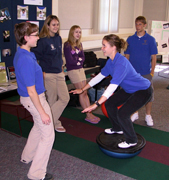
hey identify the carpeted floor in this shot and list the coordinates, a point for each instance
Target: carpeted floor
(75, 154)
(61, 165)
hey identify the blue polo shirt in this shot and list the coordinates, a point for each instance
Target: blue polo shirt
(124, 75)
(140, 51)
(28, 72)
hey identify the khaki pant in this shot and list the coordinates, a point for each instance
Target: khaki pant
(57, 95)
(40, 140)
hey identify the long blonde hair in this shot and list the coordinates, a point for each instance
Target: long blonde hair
(71, 40)
(45, 31)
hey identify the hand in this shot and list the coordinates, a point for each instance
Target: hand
(45, 119)
(90, 108)
(76, 91)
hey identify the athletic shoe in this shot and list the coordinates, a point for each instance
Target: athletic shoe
(134, 117)
(110, 131)
(149, 120)
(126, 145)
(47, 177)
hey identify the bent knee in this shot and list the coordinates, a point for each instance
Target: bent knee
(65, 100)
(49, 137)
(83, 95)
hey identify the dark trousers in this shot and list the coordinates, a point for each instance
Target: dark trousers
(120, 118)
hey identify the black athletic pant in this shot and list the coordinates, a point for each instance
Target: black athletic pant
(120, 118)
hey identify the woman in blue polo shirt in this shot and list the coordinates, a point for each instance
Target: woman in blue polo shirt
(135, 90)
(31, 89)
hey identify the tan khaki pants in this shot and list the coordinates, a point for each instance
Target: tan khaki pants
(57, 95)
(40, 139)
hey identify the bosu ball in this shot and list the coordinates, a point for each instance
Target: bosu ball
(108, 143)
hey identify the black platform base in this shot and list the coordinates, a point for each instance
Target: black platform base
(108, 143)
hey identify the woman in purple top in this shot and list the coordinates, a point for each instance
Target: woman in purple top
(74, 56)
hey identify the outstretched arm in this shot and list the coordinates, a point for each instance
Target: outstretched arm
(94, 106)
(108, 92)
(92, 82)
(79, 91)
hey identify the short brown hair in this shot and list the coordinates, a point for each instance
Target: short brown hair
(24, 29)
(142, 19)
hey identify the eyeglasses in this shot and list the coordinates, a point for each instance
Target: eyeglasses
(34, 35)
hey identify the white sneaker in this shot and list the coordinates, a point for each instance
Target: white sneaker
(110, 131)
(149, 120)
(134, 116)
(126, 145)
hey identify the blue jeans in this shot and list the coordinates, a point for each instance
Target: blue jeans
(120, 118)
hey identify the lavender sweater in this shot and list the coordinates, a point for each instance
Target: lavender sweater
(74, 58)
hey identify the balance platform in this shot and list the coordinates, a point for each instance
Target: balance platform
(108, 143)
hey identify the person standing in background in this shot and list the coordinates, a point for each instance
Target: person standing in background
(141, 52)
(31, 89)
(74, 56)
(49, 54)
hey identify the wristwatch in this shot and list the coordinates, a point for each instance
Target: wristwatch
(97, 103)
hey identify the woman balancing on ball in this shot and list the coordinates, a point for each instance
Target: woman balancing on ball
(135, 90)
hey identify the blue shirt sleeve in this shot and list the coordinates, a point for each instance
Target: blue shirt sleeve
(116, 70)
(153, 47)
(118, 74)
(105, 69)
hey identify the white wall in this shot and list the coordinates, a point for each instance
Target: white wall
(71, 14)
(157, 12)
(133, 7)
